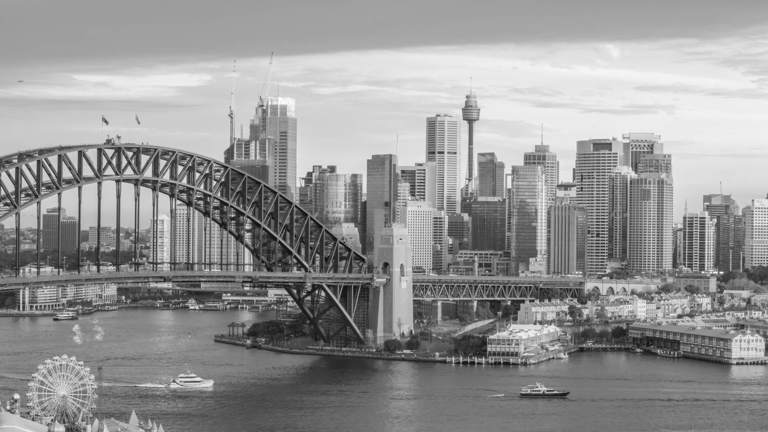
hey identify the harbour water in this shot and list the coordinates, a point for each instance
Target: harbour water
(139, 351)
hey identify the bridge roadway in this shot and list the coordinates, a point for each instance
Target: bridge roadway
(425, 287)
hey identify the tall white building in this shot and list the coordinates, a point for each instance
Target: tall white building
(419, 220)
(422, 180)
(756, 234)
(698, 242)
(160, 244)
(637, 144)
(548, 161)
(273, 128)
(595, 161)
(200, 244)
(442, 148)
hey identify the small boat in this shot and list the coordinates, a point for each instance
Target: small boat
(193, 305)
(638, 351)
(540, 391)
(87, 311)
(190, 380)
(561, 356)
(66, 315)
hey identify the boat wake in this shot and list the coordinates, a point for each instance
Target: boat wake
(15, 377)
(500, 395)
(122, 384)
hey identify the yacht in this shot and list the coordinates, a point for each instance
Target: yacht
(540, 391)
(65, 315)
(193, 305)
(190, 380)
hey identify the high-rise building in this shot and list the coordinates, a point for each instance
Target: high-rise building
(595, 162)
(698, 242)
(160, 244)
(459, 231)
(381, 197)
(490, 176)
(250, 155)
(70, 237)
(566, 235)
(488, 222)
(442, 148)
(618, 212)
(422, 179)
(729, 238)
(107, 238)
(548, 161)
(440, 238)
(677, 248)
(273, 129)
(649, 238)
(526, 232)
(188, 245)
(332, 197)
(756, 234)
(419, 220)
(637, 144)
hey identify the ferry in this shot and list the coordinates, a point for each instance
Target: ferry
(190, 380)
(540, 391)
(65, 315)
(193, 305)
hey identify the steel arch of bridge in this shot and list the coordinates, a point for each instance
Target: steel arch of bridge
(277, 232)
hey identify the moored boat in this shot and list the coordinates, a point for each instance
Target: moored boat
(190, 380)
(540, 391)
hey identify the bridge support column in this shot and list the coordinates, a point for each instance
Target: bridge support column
(391, 304)
(439, 313)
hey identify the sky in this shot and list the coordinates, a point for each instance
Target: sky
(365, 75)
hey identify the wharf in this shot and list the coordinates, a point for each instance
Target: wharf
(606, 347)
(232, 340)
(15, 313)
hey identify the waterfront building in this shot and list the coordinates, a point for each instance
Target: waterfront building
(526, 233)
(729, 234)
(717, 345)
(547, 160)
(636, 145)
(70, 237)
(107, 238)
(698, 242)
(618, 213)
(442, 149)
(419, 221)
(490, 176)
(595, 162)
(542, 312)
(756, 234)
(649, 239)
(381, 197)
(518, 339)
(488, 222)
(566, 237)
(52, 297)
(422, 181)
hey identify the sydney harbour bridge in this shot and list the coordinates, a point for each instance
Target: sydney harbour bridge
(329, 281)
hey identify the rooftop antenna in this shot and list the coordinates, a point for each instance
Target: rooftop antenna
(542, 133)
(721, 187)
(470, 85)
(397, 142)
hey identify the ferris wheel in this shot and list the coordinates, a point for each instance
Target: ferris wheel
(62, 390)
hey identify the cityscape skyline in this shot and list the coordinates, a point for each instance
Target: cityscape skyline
(581, 83)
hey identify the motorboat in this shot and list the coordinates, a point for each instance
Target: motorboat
(191, 381)
(538, 390)
(65, 315)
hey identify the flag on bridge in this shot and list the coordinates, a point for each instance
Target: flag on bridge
(138, 122)
(104, 120)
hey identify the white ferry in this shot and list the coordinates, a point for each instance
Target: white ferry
(540, 391)
(65, 315)
(190, 380)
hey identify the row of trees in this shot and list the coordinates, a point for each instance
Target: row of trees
(617, 334)
(395, 345)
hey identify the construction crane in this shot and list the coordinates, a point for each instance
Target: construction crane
(265, 84)
(231, 114)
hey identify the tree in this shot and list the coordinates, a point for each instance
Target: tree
(618, 332)
(692, 289)
(601, 314)
(575, 313)
(470, 345)
(667, 288)
(604, 335)
(393, 345)
(412, 343)
(742, 284)
(588, 333)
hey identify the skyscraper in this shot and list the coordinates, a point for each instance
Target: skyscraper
(698, 242)
(490, 176)
(526, 215)
(70, 237)
(332, 197)
(548, 161)
(595, 161)
(381, 180)
(419, 221)
(618, 212)
(488, 222)
(756, 234)
(160, 243)
(273, 128)
(729, 234)
(649, 238)
(442, 148)
(637, 144)
(422, 178)
(566, 236)
(250, 155)
(470, 114)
